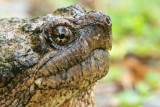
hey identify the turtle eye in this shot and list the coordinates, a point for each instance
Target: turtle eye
(59, 35)
(62, 35)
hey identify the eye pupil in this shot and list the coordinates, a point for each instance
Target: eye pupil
(62, 36)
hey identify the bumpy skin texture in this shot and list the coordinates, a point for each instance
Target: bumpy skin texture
(53, 60)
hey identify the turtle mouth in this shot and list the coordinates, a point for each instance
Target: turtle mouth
(80, 75)
(56, 89)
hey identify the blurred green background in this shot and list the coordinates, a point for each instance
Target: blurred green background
(134, 76)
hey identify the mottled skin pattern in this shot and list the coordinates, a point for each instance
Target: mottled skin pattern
(53, 60)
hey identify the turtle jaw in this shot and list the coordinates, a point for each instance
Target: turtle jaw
(75, 80)
(92, 69)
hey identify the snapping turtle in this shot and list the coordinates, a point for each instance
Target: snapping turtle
(53, 60)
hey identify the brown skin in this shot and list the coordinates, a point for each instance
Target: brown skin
(53, 60)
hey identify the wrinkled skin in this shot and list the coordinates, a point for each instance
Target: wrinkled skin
(53, 60)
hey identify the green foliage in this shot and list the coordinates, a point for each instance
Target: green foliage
(115, 75)
(65, 3)
(135, 18)
(153, 79)
(136, 21)
(143, 88)
(130, 99)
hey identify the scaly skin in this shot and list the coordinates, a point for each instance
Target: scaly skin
(53, 60)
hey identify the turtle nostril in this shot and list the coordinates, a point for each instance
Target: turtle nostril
(108, 20)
